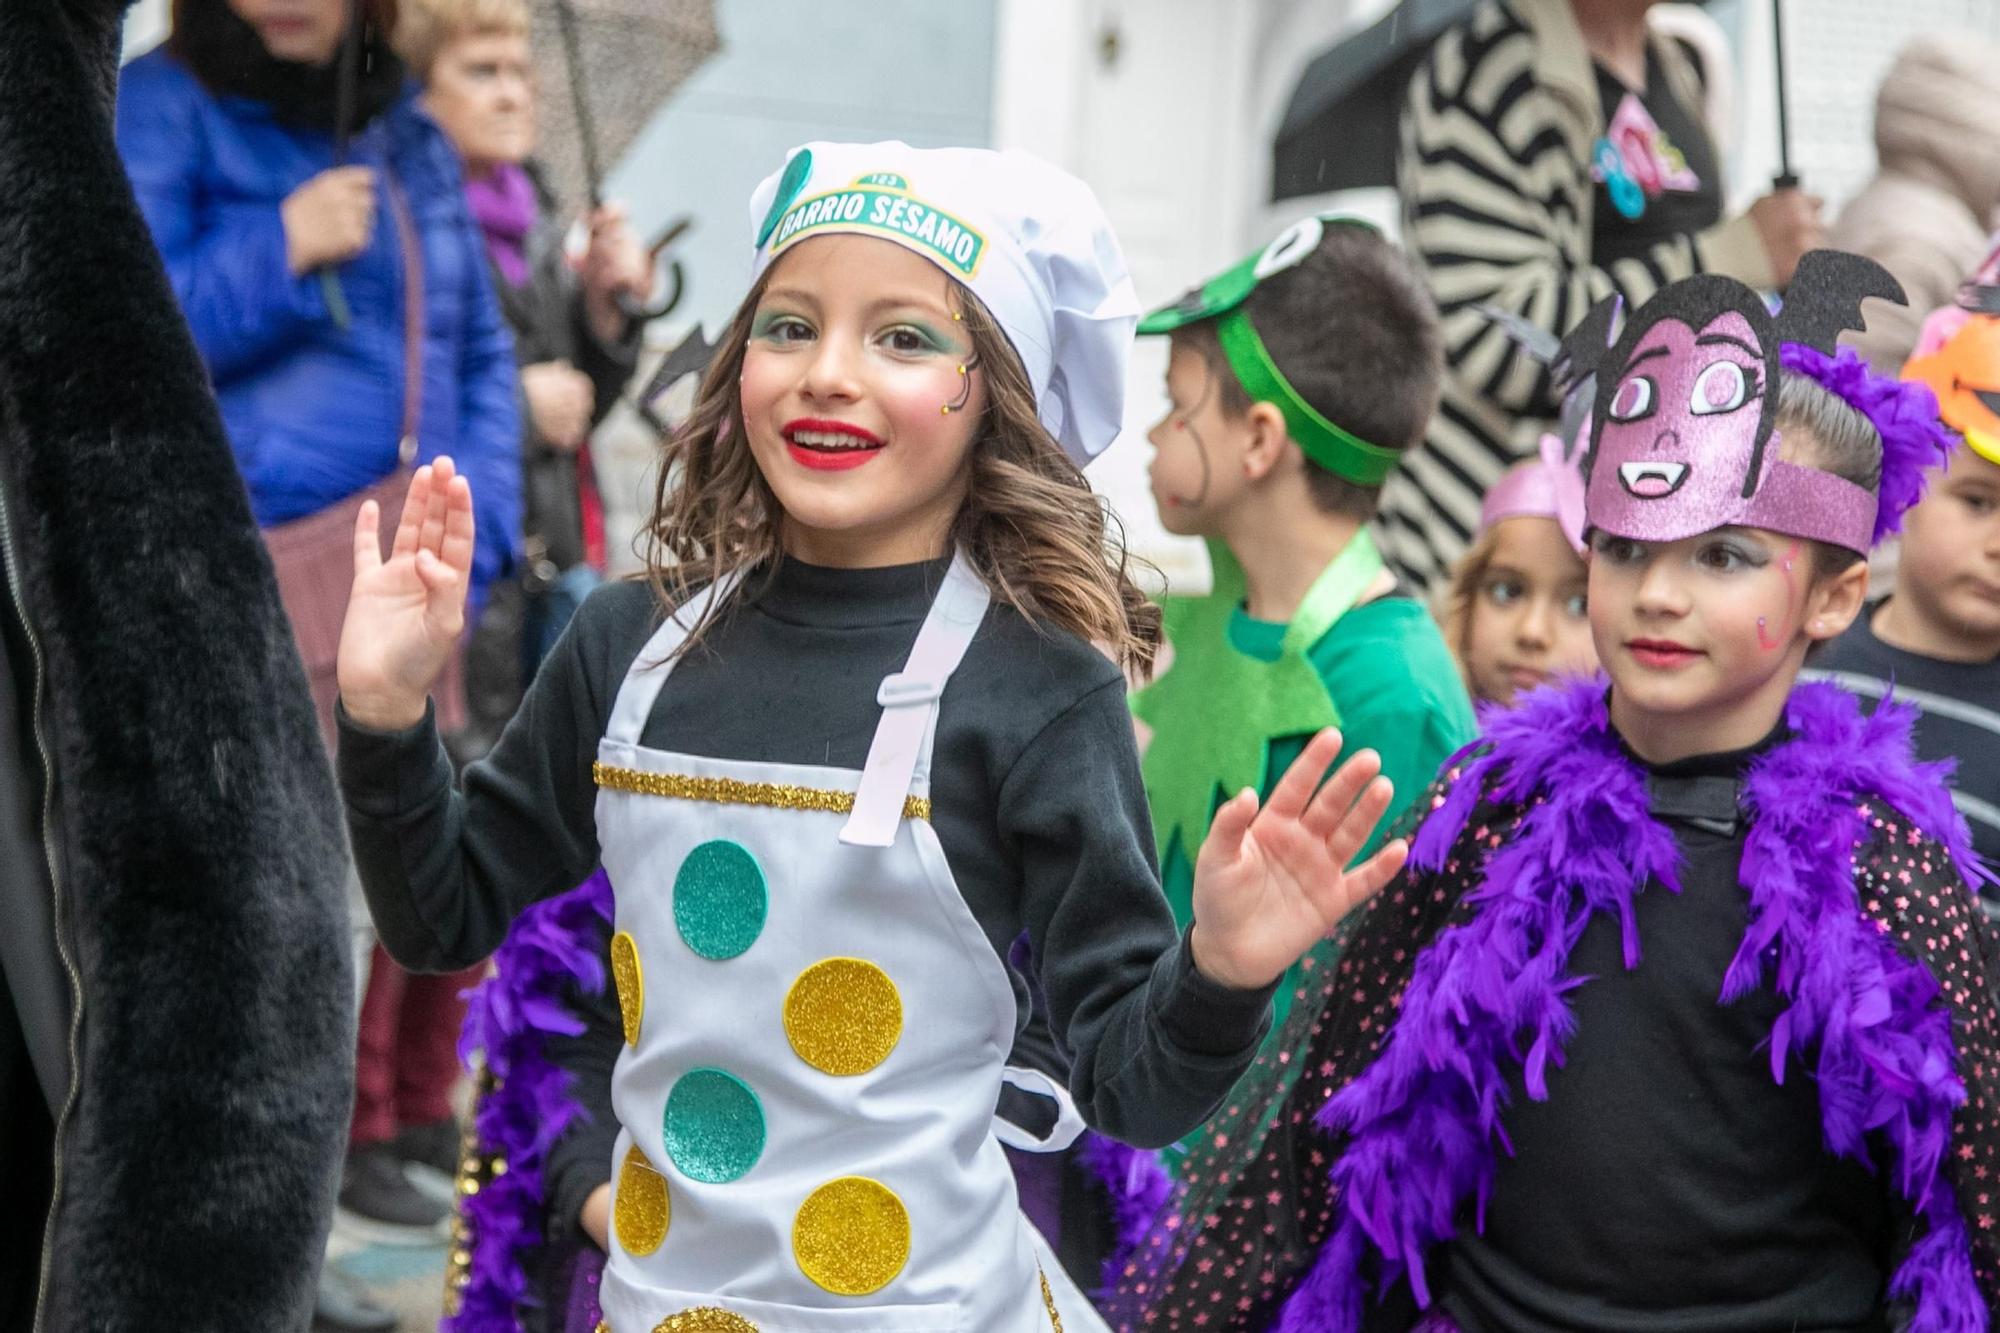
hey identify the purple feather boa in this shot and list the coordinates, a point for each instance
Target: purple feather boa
(509, 1018)
(1903, 412)
(1138, 1187)
(1424, 1118)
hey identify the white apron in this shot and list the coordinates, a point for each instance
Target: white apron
(816, 1029)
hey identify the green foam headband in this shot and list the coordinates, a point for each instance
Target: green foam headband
(1332, 447)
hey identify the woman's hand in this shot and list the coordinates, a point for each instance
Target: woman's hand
(561, 399)
(596, 1216)
(1788, 222)
(615, 265)
(329, 219)
(1269, 884)
(406, 613)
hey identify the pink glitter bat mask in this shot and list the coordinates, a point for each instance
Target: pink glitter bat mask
(1681, 439)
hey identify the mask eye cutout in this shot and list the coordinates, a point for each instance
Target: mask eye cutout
(1633, 400)
(1722, 387)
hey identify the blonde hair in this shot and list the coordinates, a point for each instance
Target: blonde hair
(426, 27)
(1453, 605)
(1035, 532)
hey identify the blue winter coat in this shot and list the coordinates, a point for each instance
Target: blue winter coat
(313, 409)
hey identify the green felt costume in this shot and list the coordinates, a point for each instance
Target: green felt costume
(1241, 697)
(1216, 711)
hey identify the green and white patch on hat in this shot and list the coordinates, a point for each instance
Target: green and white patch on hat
(1028, 240)
(883, 202)
(1221, 299)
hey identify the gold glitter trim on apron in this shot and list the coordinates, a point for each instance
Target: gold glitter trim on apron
(643, 1209)
(843, 1016)
(852, 1236)
(705, 1319)
(1049, 1299)
(631, 981)
(729, 791)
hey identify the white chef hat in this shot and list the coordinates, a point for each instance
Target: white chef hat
(1029, 240)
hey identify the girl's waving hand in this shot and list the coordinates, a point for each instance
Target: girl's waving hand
(1270, 883)
(407, 612)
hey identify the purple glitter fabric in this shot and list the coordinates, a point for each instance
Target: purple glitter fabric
(508, 1020)
(585, 1273)
(1904, 413)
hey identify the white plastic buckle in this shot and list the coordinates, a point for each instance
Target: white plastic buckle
(902, 690)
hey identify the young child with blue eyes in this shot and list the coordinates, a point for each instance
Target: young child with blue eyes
(1514, 611)
(846, 743)
(1681, 1014)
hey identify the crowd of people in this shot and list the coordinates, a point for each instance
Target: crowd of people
(1544, 882)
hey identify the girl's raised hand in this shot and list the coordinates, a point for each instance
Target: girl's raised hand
(407, 612)
(1270, 883)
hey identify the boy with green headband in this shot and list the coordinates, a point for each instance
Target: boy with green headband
(1296, 380)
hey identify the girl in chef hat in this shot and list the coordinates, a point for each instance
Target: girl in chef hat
(847, 742)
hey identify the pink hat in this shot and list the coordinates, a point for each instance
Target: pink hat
(1545, 487)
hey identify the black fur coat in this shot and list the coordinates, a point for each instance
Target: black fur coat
(186, 858)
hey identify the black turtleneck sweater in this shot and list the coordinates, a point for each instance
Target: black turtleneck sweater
(1664, 1124)
(1035, 788)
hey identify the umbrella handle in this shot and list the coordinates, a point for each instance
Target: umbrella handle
(640, 313)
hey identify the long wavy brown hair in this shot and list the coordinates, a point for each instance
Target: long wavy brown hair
(1452, 605)
(1042, 540)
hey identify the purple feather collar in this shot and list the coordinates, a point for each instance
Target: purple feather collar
(1424, 1120)
(510, 1018)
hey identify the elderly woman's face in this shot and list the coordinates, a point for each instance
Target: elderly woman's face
(307, 31)
(481, 93)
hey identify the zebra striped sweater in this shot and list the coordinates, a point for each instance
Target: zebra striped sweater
(1494, 174)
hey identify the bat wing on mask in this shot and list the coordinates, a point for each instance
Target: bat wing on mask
(1825, 296)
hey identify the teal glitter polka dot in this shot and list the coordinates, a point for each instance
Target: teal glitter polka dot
(714, 1126)
(719, 900)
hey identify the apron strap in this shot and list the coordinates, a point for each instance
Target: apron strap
(909, 702)
(655, 662)
(1069, 1124)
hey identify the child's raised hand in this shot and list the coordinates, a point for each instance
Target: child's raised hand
(1269, 884)
(406, 613)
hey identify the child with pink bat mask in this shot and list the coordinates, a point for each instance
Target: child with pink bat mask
(1681, 1013)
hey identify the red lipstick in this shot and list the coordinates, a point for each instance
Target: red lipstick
(1661, 654)
(830, 446)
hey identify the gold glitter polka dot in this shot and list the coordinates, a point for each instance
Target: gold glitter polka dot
(705, 1319)
(843, 1016)
(852, 1236)
(631, 979)
(641, 1209)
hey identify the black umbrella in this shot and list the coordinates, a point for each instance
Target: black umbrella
(1339, 131)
